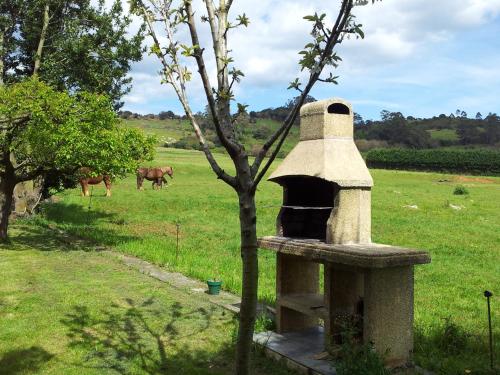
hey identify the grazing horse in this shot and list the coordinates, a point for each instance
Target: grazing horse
(86, 179)
(157, 175)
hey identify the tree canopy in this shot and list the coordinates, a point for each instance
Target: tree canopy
(86, 47)
(45, 130)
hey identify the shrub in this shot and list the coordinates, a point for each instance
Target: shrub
(264, 323)
(255, 150)
(453, 338)
(367, 145)
(262, 132)
(281, 154)
(478, 161)
(187, 143)
(355, 358)
(460, 190)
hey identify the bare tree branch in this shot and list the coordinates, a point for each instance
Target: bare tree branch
(28, 176)
(180, 90)
(283, 131)
(215, 37)
(198, 55)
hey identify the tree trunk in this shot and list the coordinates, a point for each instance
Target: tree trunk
(248, 221)
(2, 37)
(7, 185)
(41, 42)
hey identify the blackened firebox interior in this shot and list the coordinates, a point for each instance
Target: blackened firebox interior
(308, 202)
(339, 109)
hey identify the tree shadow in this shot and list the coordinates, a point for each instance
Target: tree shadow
(130, 338)
(72, 227)
(86, 223)
(24, 236)
(74, 214)
(23, 361)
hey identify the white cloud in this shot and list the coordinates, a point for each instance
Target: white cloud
(397, 32)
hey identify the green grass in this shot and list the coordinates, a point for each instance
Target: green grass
(444, 134)
(464, 244)
(67, 309)
(164, 130)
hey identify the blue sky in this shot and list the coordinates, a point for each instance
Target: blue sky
(419, 57)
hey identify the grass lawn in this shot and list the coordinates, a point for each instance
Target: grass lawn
(444, 134)
(165, 130)
(66, 309)
(450, 310)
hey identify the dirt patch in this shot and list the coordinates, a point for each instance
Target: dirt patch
(477, 180)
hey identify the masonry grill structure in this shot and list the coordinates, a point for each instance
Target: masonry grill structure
(326, 219)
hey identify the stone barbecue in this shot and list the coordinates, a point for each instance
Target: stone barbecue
(326, 219)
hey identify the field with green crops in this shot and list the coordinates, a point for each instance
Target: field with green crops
(472, 161)
(419, 210)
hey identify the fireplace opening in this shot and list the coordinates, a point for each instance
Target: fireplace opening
(339, 109)
(307, 204)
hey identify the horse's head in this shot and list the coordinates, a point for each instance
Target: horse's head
(168, 170)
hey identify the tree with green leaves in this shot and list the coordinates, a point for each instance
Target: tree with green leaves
(44, 130)
(176, 18)
(75, 45)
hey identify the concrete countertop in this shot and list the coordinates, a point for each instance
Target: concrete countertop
(356, 255)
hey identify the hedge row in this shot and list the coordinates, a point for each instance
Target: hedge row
(484, 162)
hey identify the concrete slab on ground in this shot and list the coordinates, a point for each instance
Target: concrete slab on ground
(304, 352)
(224, 299)
(299, 349)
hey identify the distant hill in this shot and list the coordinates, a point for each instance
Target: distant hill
(179, 133)
(456, 131)
(392, 130)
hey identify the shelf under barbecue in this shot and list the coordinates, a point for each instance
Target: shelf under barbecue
(308, 208)
(369, 255)
(308, 304)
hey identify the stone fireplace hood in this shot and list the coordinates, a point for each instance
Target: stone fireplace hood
(326, 148)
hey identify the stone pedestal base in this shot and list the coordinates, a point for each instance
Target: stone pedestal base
(369, 287)
(388, 313)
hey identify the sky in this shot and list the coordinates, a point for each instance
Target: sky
(419, 57)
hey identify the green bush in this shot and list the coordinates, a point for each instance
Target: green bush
(479, 161)
(188, 143)
(460, 190)
(354, 358)
(262, 133)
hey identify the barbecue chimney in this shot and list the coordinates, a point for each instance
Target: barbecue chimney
(326, 184)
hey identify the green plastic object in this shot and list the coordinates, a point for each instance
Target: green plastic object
(214, 287)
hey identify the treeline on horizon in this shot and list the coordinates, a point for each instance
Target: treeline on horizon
(392, 130)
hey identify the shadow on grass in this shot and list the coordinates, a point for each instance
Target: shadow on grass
(130, 339)
(74, 214)
(66, 227)
(24, 361)
(24, 236)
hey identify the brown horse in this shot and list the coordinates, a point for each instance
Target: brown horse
(86, 179)
(157, 175)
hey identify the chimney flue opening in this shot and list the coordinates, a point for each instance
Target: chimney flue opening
(339, 109)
